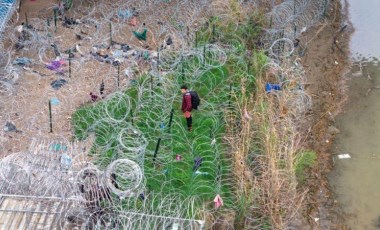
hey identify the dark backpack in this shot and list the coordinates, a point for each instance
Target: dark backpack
(195, 100)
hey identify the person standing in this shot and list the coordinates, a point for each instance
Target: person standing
(187, 107)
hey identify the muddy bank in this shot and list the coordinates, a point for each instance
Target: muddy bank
(325, 59)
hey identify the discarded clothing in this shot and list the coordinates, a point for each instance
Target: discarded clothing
(56, 50)
(55, 65)
(124, 47)
(272, 87)
(54, 101)
(9, 127)
(141, 36)
(69, 21)
(197, 163)
(57, 147)
(218, 201)
(23, 61)
(117, 54)
(66, 161)
(125, 14)
(145, 55)
(93, 97)
(56, 84)
(133, 21)
(169, 41)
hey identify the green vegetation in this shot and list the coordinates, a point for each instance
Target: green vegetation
(167, 175)
(303, 161)
(139, 116)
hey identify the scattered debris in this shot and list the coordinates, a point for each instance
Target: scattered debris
(246, 114)
(178, 157)
(133, 21)
(169, 41)
(55, 65)
(57, 84)
(70, 21)
(218, 201)
(58, 147)
(200, 173)
(197, 163)
(9, 127)
(94, 97)
(344, 156)
(213, 142)
(101, 88)
(125, 14)
(272, 87)
(54, 101)
(66, 161)
(56, 50)
(142, 35)
(22, 61)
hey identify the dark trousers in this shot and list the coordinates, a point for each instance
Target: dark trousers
(189, 121)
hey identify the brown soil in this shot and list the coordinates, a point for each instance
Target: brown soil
(325, 62)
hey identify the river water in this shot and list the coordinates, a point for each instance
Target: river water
(356, 180)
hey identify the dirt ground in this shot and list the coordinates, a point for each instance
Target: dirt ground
(325, 61)
(27, 108)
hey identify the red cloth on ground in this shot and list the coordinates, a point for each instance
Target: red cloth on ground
(133, 21)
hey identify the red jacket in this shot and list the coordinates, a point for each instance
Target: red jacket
(186, 102)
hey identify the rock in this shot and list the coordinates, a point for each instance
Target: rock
(332, 130)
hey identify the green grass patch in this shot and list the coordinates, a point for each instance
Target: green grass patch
(303, 161)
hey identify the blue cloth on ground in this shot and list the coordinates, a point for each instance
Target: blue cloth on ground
(272, 87)
(125, 14)
(54, 101)
(22, 61)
